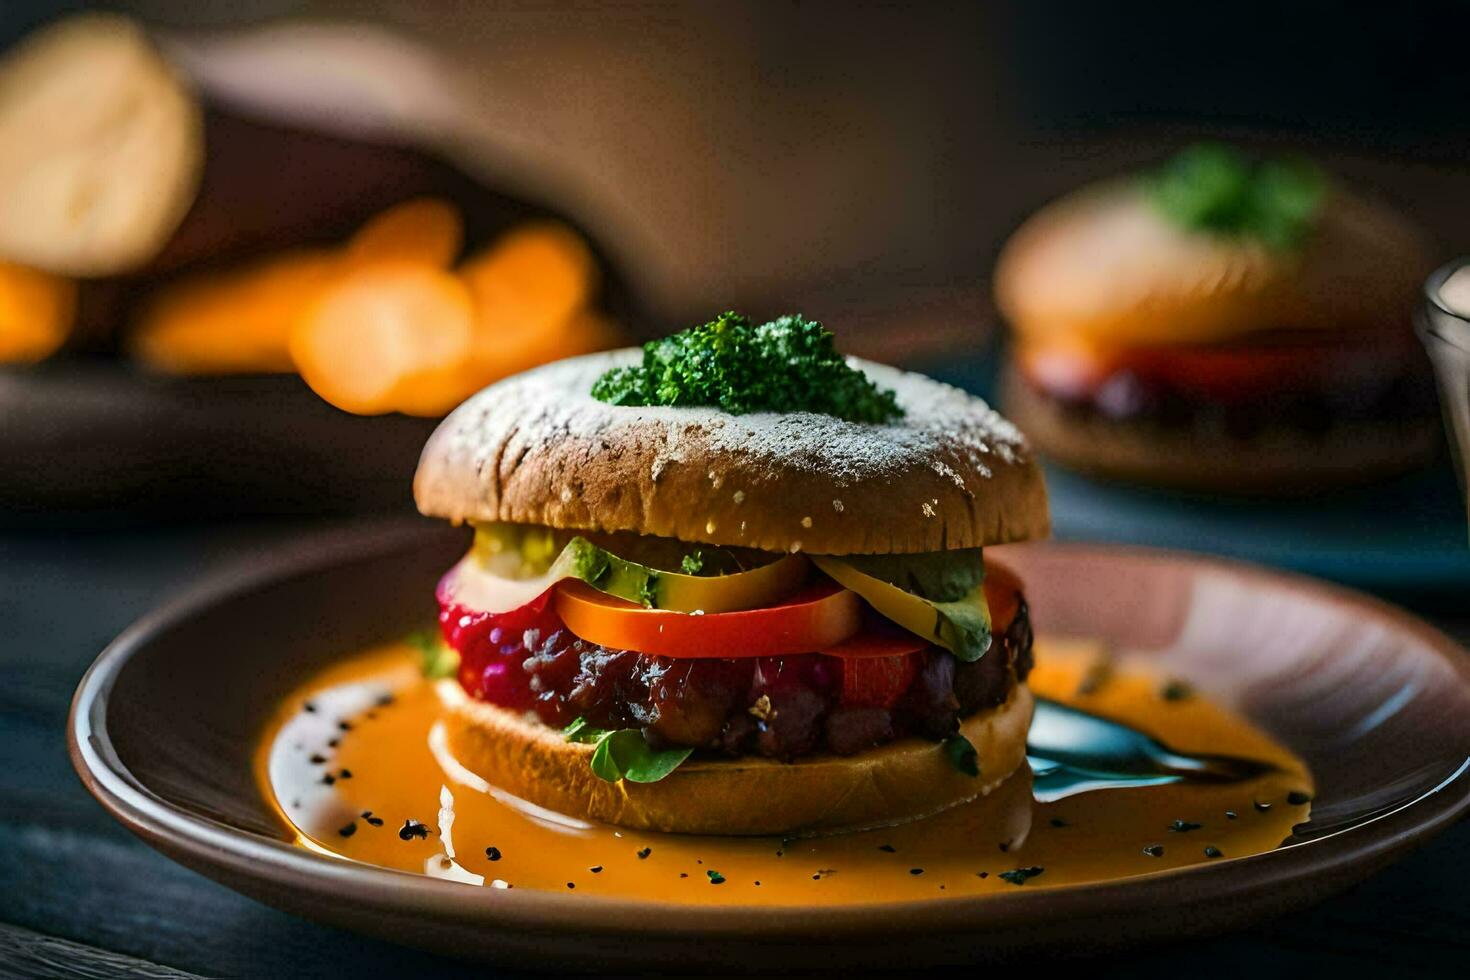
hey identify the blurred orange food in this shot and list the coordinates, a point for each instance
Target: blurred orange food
(424, 230)
(393, 335)
(383, 324)
(37, 310)
(232, 322)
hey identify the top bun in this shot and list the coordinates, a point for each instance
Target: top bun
(538, 449)
(1104, 265)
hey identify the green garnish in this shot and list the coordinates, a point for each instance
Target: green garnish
(692, 563)
(1176, 691)
(787, 365)
(624, 753)
(961, 754)
(1021, 875)
(436, 658)
(1215, 188)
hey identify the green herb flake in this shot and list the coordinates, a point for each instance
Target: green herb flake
(583, 732)
(436, 658)
(961, 754)
(1020, 876)
(692, 563)
(790, 364)
(1215, 188)
(1176, 691)
(715, 878)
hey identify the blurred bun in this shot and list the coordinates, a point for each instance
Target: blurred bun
(101, 148)
(1103, 265)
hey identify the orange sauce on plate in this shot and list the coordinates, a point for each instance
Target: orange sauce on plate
(355, 763)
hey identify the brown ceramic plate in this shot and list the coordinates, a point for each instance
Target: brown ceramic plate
(1377, 702)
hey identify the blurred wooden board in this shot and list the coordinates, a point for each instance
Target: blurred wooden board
(96, 436)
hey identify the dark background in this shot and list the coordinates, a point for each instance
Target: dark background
(856, 159)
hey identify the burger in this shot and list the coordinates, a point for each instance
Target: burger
(734, 583)
(1224, 324)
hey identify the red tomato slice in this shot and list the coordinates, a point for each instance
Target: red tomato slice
(819, 616)
(1220, 372)
(877, 682)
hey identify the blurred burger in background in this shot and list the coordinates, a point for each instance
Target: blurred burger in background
(1223, 324)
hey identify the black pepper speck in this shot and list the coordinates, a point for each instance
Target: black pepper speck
(493, 853)
(1183, 826)
(644, 853)
(412, 828)
(344, 774)
(345, 726)
(328, 779)
(596, 869)
(348, 830)
(1297, 798)
(1154, 850)
(916, 871)
(887, 848)
(1213, 852)
(1231, 814)
(316, 759)
(1058, 822)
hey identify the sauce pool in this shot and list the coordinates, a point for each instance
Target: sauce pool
(355, 763)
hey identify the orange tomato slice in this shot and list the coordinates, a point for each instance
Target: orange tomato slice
(819, 616)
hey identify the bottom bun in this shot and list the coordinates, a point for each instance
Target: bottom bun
(899, 781)
(1279, 461)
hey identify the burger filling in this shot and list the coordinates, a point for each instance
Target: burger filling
(1312, 382)
(732, 651)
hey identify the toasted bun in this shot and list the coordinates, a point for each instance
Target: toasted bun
(1103, 265)
(1282, 461)
(538, 449)
(900, 781)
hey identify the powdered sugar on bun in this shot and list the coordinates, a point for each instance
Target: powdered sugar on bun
(537, 448)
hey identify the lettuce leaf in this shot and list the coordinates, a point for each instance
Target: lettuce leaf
(624, 753)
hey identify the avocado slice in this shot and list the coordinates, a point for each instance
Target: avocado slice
(951, 611)
(524, 551)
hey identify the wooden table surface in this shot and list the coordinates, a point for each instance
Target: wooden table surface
(83, 898)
